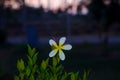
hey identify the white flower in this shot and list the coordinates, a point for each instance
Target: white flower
(58, 48)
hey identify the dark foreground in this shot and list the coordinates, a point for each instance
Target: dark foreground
(104, 63)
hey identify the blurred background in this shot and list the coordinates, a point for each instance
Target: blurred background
(91, 26)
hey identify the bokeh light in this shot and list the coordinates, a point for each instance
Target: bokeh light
(46, 4)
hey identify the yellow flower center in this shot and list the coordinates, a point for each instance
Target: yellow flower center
(60, 47)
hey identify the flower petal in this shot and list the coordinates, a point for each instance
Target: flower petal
(61, 55)
(52, 42)
(53, 52)
(67, 47)
(62, 40)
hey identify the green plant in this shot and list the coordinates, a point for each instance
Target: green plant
(47, 70)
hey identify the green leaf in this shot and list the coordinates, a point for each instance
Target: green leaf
(59, 68)
(35, 58)
(47, 60)
(30, 62)
(28, 71)
(34, 69)
(47, 76)
(31, 51)
(88, 73)
(16, 78)
(31, 77)
(64, 77)
(72, 76)
(43, 64)
(54, 77)
(21, 76)
(20, 65)
(85, 76)
(54, 61)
